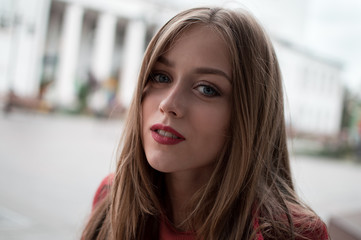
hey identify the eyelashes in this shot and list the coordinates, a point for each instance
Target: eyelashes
(159, 78)
(206, 89)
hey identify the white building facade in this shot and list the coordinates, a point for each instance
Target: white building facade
(69, 41)
(22, 31)
(313, 92)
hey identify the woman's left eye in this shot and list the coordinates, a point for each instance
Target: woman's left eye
(207, 90)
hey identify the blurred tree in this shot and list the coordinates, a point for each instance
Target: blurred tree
(347, 109)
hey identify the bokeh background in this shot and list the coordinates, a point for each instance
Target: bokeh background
(67, 73)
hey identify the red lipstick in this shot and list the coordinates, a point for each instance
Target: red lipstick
(166, 135)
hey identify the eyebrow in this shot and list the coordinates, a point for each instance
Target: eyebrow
(200, 70)
(214, 71)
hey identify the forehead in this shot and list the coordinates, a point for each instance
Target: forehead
(202, 46)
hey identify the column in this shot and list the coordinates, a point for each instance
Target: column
(133, 54)
(42, 21)
(103, 46)
(26, 47)
(68, 55)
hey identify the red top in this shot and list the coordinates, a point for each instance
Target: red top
(168, 232)
(103, 189)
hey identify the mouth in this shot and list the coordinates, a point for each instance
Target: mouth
(166, 135)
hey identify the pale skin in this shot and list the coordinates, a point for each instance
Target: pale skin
(190, 92)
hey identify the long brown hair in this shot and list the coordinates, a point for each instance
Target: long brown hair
(252, 178)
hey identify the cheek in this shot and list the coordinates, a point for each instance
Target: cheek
(213, 129)
(145, 115)
(212, 134)
(147, 108)
(215, 120)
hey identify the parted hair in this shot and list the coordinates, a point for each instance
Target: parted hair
(251, 178)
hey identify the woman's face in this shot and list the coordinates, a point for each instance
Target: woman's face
(186, 103)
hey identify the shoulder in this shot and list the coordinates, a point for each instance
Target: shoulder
(310, 227)
(103, 189)
(306, 225)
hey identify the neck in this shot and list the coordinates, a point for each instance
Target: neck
(181, 187)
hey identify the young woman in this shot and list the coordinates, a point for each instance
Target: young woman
(204, 152)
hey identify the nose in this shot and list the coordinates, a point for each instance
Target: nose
(173, 103)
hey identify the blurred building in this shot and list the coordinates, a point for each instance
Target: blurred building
(313, 83)
(72, 43)
(313, 91)
(92, 49)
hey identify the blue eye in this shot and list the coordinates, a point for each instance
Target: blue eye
(207, 91)
(160, 78)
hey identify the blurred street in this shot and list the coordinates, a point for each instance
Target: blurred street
(51, 165)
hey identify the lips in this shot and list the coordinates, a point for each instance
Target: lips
(166, 135)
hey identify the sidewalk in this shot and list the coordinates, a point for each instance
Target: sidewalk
(51, 165)
(329, 186)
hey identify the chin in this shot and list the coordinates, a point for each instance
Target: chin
(165, 167)
(157, 165)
